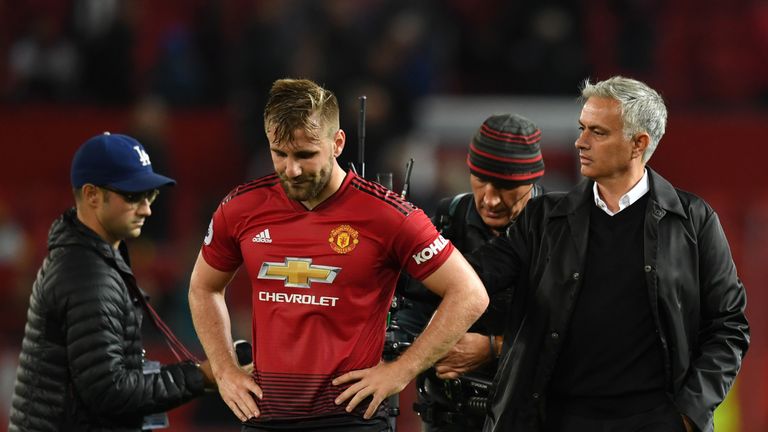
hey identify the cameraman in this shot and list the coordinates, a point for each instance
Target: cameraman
(505, 163)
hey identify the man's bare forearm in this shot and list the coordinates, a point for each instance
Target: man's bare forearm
(456, 313)
(212, 324)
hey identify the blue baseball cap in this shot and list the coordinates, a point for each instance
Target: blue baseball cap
(117, 161)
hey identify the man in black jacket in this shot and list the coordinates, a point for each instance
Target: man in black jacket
(505, 164)
(82, 366)
(634, 314)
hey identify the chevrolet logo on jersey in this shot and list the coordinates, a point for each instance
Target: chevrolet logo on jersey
(298, 272)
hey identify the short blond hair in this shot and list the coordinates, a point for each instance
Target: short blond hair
(292, 104)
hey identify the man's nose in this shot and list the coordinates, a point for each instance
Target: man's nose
(491, 197)
(292, 168)
(581, 142)
(144, 208)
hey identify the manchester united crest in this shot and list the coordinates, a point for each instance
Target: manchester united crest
(343, 239)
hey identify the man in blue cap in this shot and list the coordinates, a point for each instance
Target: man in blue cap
(82, 363)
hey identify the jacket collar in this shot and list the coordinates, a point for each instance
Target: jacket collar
(665, 194)
(661, 191)
(67, 230)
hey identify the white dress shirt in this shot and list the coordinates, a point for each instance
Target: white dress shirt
(626, 200)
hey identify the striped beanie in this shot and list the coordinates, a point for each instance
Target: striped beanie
(505, 150)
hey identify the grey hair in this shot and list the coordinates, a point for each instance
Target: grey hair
(642, 108)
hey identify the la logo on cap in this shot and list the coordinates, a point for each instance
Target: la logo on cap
(143, 156)
(118, 161)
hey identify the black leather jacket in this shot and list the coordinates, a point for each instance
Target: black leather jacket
(80, 367)
(697, 299)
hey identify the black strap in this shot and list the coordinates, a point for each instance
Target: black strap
(444, 217)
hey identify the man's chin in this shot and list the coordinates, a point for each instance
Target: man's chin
(587, 172)
(297, 194)
(496, 223)
(303, 193)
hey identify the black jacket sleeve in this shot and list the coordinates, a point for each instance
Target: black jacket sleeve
(723, 336)
(104, 347)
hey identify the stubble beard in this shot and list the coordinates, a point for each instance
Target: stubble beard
(311, 186)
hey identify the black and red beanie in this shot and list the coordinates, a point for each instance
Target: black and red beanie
(505, 150)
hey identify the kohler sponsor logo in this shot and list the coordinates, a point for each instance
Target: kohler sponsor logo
(428, 252)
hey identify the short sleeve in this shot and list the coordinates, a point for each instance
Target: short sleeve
(419, 247)
(220, 246)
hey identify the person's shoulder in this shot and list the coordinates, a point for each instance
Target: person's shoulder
(690, 199)
(547, 200)
(246, 199)
(675, 199)
(375, 196)
(552, 196)
(78, 258)
(679, 201)
(695, 207)
(449, 206)
(79, 272)
(459, 201)
(253, 189)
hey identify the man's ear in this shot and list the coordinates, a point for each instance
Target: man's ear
(91, 195)
(640, 142)
(339, 140)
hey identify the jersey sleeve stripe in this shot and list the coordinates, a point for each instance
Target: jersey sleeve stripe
(262, 182)
(385, 195)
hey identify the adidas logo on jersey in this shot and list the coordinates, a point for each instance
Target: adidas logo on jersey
(262, 237)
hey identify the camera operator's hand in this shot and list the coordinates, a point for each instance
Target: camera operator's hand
(472, 351)
(208, 379)
(378, 382)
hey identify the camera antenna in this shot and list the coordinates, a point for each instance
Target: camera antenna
(407, 181)
(361, 135)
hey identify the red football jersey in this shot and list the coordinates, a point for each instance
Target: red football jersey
(322, 281)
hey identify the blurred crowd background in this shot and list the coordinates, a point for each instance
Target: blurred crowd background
(189, 79)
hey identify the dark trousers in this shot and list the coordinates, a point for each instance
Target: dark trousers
(379, 427)
(427, 427)
(664, 418)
